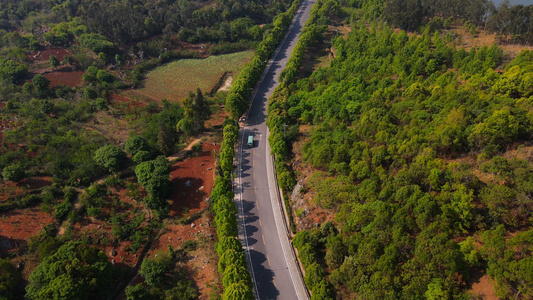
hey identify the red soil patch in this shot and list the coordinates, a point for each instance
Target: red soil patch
(201, 263)
(98, 230)
(217, 119)
(10, 189)
(116, 100)
(18, 225)
(44, 55)
(100, 233)
(37, 182)
(192, 181)
(65, 76)
(9, 124)
(484, 288)
(175, 234)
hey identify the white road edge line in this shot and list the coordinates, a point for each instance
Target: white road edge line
(280, 224)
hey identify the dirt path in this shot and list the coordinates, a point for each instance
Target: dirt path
(183, 152)
(75, 206)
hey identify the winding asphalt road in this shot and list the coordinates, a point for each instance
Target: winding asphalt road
(263, 230)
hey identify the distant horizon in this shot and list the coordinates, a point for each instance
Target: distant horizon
(514, 2)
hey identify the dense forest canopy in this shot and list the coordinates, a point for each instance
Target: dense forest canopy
(410, 145)
(134, 20)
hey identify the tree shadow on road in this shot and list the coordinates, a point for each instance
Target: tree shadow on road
(264, 277)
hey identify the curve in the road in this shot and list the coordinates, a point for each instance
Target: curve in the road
(263, 229)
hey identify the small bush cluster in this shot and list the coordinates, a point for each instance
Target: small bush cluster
(308, 244)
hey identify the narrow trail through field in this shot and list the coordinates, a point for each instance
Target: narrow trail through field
(75, 206)
(183, 152)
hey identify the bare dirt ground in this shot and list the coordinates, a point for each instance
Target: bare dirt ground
(44, 55)
(10, 189)
(65, 76)
(18, 225)
(100, 233)
(200, 263)
(186, 150)
(192, 182)
(485, 38)
(483, 287)
(218, 118)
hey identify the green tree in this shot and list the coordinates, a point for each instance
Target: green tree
(74, 271)
(137, 292)
(238, 291)
(68, 60)
(141, 156)
(236, 273)
(230, 257)
(406, 14)
(10, 281)
(53, 61)
(228, 243)
(11, 71)
(40, 83)
(182, 290)
(153, 272)
(48, 246)
(434, 291)
(135, 144)
(154, 176)
(110, 157)
(104, 76)
(101, 103)
(196, 112)
(498, 129)
(13, 173)
(165, 139)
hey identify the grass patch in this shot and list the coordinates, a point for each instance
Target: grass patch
(174, 80)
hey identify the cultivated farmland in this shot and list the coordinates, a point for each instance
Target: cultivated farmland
(174, 80)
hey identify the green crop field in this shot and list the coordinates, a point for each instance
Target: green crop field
(174, 80)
